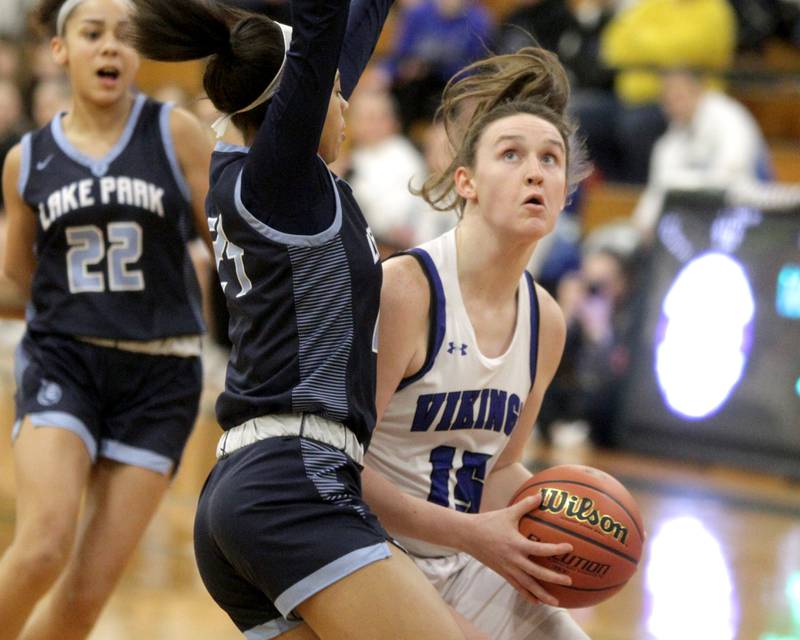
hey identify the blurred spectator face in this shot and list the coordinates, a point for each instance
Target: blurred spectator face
(372, 118)
(681, 93)
(451, 7)
(50, 97)
(9, 60)
(10, 106)
(603, 275)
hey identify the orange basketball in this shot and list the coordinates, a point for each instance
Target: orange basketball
(592, 511)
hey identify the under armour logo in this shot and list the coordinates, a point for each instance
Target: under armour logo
(453, 347)
(42, 164)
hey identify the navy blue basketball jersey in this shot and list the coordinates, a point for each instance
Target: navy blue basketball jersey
(303, 308)
(111, 240)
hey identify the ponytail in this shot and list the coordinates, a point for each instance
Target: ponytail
(244, 50)
(187, 30)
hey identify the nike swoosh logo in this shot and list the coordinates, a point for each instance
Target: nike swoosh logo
(42, 164)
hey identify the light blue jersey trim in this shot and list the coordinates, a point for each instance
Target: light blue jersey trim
(289, 238)
(323, 312)
(327, 575)
(60, 420)
(98, 166)
(21, 361)
(226, 147)
(135, 456)
(169, 148)
(271, 629)
(24, 163)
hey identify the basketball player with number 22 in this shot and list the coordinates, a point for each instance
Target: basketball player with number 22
(468, 344)
(100, 205)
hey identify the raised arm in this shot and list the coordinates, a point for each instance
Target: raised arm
(281, 175)
(364, 27)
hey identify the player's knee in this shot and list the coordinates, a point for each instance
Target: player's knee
(41, 561)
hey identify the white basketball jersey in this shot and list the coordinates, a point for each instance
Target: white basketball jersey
(446, 425)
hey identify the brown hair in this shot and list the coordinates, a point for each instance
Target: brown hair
(531, 81)
(45, 16)
(531, 72)
(244, 50)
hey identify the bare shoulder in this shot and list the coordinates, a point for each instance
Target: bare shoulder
(13, 160)
(552, 331)
(181, 120)
(187, 129)
(11, 169)
(550, 311)
(405, 285)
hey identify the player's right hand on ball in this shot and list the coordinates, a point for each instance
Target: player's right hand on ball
(494, 540)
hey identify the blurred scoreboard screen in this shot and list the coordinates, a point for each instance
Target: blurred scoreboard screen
(715, 370)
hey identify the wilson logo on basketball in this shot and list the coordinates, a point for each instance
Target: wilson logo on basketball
(581, 509)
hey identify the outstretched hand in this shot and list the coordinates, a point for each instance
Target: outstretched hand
(495, 540)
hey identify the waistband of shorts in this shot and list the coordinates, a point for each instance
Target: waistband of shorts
(180, 346)
(303, 425)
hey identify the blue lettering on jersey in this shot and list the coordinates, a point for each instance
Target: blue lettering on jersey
(428, 406)
(120, 190)
(497, 410)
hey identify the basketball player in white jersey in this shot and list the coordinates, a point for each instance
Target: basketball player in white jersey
(468, 345)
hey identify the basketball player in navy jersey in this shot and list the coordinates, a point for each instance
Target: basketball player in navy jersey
(100, 203)
(283, 540)
(469, 344)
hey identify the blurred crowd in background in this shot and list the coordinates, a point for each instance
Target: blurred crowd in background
(664, 93)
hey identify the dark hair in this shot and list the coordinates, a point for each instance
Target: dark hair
(439, 189)
(45, 16)
(244, 50)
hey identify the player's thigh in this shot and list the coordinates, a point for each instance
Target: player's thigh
(390, 598)
(51, 467)
(116, 493)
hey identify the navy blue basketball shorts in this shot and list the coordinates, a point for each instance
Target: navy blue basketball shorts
(133, 408)
(278, 521)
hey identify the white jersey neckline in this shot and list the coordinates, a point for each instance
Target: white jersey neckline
(451, 264)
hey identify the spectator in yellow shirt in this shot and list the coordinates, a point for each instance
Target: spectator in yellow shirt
(647, 36)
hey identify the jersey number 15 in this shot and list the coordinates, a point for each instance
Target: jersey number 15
(469, 479)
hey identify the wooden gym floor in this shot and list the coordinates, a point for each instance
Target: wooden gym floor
(722, 559)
